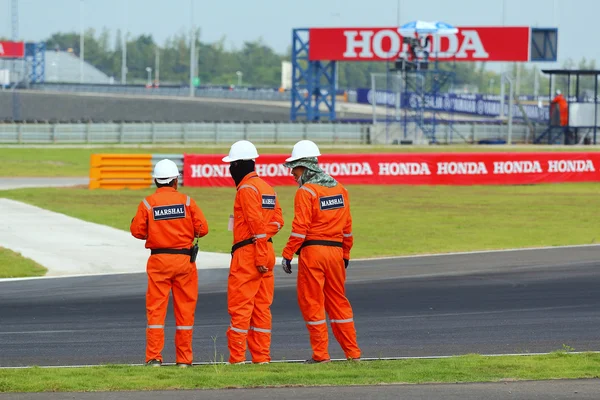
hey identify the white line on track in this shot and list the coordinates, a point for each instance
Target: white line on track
(301, 361)
(574, 246)
(355, 259)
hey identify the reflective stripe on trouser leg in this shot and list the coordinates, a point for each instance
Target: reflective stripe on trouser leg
(345, 334)
(311, 279)
(337, 304)
(242, 286)
(259, 335)
(185, 297)
(157, 298)
(155, 341)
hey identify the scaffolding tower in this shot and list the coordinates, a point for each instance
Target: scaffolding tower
(415, 100)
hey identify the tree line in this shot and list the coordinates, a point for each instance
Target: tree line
(260, 64)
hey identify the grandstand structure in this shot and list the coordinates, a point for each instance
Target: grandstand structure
(40, 66)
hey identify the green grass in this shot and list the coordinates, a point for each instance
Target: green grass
(388, 220)
(55, 161)
(469, 368)
(13, 265)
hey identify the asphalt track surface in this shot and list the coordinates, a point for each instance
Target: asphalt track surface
(488, 303)
(497, 302)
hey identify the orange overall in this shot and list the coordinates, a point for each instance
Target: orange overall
(257, 218)
(322, 231)
(560, 104)
(168, 219)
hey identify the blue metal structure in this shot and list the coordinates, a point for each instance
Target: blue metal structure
(426, 86)
(313, 82)
(35, 59)
(544, 45)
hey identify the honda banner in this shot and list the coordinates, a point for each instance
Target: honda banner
(502, 168)
(380, 44)
(12, 49)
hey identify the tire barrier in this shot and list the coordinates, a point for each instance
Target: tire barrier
(127, 171)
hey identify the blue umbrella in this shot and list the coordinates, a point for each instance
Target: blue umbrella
(426, 27)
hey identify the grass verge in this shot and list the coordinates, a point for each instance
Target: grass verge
(388, 220)
(55, 161)
(468, 368)
(13, 265)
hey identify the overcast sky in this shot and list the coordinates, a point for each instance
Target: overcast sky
(273, 20)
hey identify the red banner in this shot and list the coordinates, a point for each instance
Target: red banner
(12, 49)
(413, 169)
(380, 44)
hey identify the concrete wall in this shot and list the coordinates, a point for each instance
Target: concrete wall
(43, 106)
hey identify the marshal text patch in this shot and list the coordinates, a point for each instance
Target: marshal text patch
(173, 211)
(331, 202)
(268, 201)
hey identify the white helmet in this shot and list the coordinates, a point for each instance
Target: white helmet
(241, 150)
(165, 171)
(558, 92)
(304, 149)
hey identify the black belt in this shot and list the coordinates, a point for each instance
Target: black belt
(330, 243)
(245, 243)
(187, 252)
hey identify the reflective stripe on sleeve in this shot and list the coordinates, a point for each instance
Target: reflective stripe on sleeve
(298, 235)
(348, 234)
(238, 330)
(156, 327)
(315, 322)
(253, 328)
(308, 190)
(147, 204)
(184, 328)
(187, 201)
(261, 236)
(278, 225)
(341, 321)
(248, 186)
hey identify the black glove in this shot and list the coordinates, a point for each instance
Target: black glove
(287, 265)
(346, 262)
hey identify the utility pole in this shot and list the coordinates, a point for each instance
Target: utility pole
(14, 8)
(81, 41)
(156, 66)
(192, 49)
(124, 46)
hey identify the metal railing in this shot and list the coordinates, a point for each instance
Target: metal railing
(204, 92)
(183, 133)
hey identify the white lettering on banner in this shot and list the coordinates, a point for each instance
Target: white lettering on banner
(517, 167)
(210, 171)
(365, 43)
(437, 46)
(472, 42)
(410, 168)
(272, 170)
(571, 166)
(378, 43)
(345, 169)
(461, 168)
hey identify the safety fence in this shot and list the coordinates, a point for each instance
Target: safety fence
(126, 171)
(183, 133)
(134, 171)
(223, 133)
